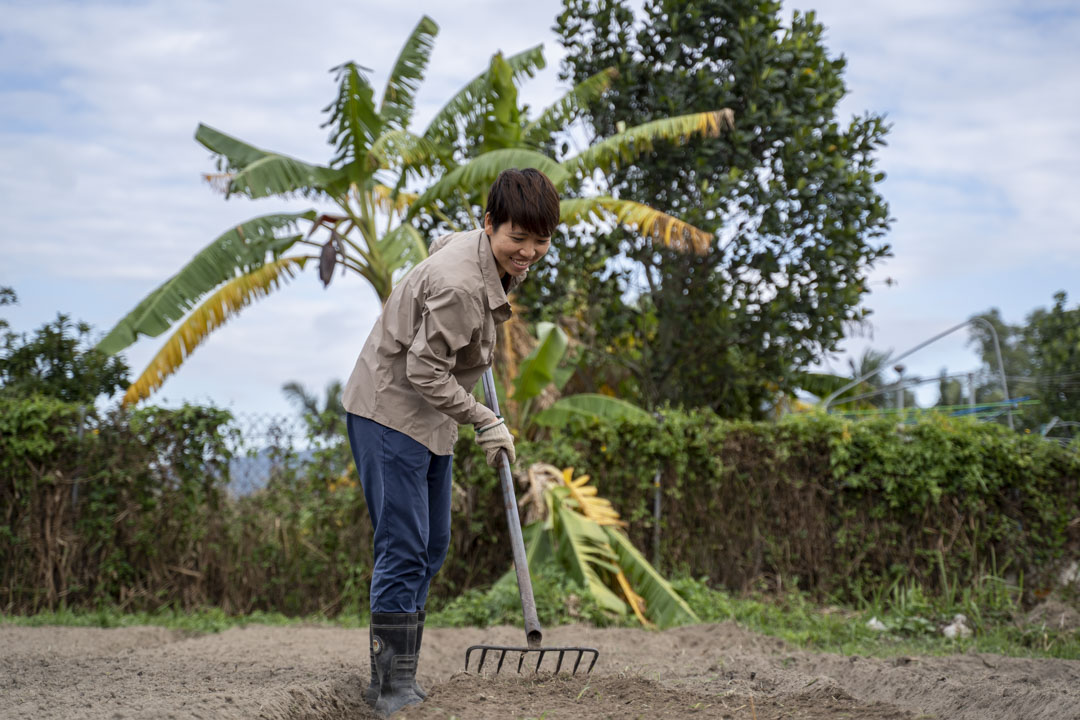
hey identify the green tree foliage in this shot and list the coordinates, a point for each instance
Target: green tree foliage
(791, 194)
(326, 422)
(58, 360)
(1041, 358)
(870, 361)
(950, 390)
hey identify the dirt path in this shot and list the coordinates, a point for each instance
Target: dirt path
(708, 671)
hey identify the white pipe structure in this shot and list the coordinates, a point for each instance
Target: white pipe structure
(997, 350)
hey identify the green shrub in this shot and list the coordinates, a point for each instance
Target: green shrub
(132, 511)
(557, 603)
(832, 506)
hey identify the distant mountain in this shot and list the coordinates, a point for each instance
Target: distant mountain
(249, 473)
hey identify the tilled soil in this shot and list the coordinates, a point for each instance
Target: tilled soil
(708, 671)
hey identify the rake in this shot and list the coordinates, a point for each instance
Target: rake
(534, 636)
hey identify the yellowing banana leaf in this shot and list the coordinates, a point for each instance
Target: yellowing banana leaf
(663, 605)
(229, 300)
(239, 250)
(392, 200)
(584, 550)
(622, 148)
(661, 227)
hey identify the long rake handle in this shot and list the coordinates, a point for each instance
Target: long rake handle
(533, 634)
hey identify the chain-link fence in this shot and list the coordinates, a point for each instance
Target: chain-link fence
(265, 443)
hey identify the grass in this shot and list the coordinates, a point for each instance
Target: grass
(911, 618)
(203, 620)
(912, 622)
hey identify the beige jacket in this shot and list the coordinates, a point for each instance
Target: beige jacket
(433, 341)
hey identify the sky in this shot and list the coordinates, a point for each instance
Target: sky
(102, 198)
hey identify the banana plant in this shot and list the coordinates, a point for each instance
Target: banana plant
(579, 531)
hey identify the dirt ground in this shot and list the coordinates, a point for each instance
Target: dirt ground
(708, 671)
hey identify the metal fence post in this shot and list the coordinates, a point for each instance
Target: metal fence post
(79, 432)
(656, 508)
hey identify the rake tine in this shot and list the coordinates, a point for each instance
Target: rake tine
(541, 653)
(501, 658)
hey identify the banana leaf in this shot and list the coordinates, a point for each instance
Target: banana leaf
(622, 148)
(465, 107)
(354, 122)
(666, 229)
(399, 97)
(590, 406)
(583, 550)
(237, 251)
(481, 171)
(663, 605)
(538, 369)
(227, 301)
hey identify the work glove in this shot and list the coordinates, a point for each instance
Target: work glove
(493, 437)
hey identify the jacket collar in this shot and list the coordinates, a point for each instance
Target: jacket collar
(496, 296)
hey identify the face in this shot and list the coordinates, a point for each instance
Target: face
(515, 250)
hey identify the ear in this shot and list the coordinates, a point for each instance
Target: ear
(488, 227)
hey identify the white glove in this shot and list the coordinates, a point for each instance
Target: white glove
(493, 437)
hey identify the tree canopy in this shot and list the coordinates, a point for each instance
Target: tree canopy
(1042, 362)
(791, 194)
(57, 360)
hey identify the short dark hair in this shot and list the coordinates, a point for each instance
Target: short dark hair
(525, 198)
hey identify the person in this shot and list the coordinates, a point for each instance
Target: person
(409, 390)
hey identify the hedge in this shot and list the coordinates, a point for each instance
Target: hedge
(133, 510)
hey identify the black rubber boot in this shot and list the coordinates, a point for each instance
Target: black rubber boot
(371, 694)
(420, 616)
(394, 643)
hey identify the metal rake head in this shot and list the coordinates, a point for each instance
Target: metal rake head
(502, 650)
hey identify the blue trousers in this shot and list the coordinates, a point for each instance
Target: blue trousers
(408, 489)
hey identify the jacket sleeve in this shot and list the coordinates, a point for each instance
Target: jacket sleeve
(446, 327)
